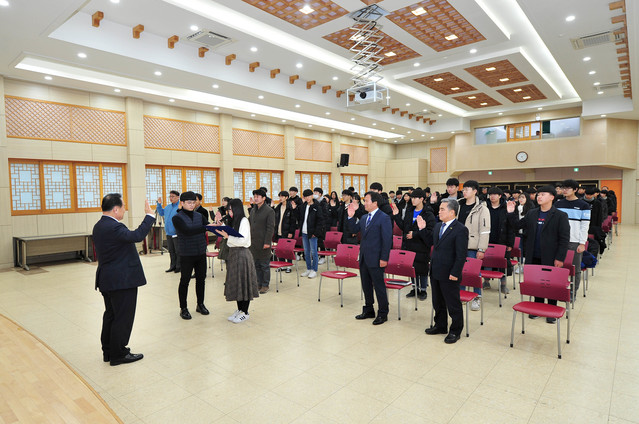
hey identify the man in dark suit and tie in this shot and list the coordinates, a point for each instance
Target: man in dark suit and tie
(118, 276)
(377, 239)
(450, 243)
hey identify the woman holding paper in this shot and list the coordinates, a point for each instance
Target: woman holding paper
(241, 279)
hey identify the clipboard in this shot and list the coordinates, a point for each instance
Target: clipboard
(229, 230)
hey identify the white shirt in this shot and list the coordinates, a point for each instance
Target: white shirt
(304, 226)
(445, 225)
(245, 230)
(372, 214)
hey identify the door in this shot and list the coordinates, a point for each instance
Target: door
(614, 185)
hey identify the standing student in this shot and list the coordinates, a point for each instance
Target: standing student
(501, 231)
(262, 220)
(201, 209)
(450, 242)
(191, 226)
(168, 212)
(311, 224)
(384, 206)
(118, 276)
(241, 279)
(376, 229)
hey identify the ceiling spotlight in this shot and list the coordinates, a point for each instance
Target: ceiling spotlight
(472, 97)
(451, 37)
(48, 78)
(452, 132)
(374, 123)
(418, 11)
(540, 108)
(216, 108)
(526, 97)
(298, 65)
(586, 59)
(600, 92)
(215, 86)
(407, 104)
(424, 110)
(370, 136)
(416, 64)
(500, 113)
(332, 129)
(309, 125)
(570, 18)
(438, 79)
(115, 1)
(352, 119)
(297, 105)
(117, 90)
(253, 49)
(82, 55)
(307, 9)
(407, 132)
(157, 73)
(492, 68)
(473, 51)
(440, 115)
(335, 78)
(603, 116)
(172, 100)
(504, 79)
(394, 141)
(432, 137)
(283, 120)
(252, 115)
(352, 133)
(260, 97)
(592, 72)
(483, 104)
(327, 113)
(517, 90)
(392, 128)
(194, 27)
(412, 139)
(454, 88)
(390, 54)
(596, 83)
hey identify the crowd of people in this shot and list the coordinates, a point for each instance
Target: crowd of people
(442, 230)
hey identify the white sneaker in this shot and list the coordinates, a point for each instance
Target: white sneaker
(517, 269)
(305, 273)
(475, 305)
(241, 317)
(321, 261)
(232, 317)
(312, 274)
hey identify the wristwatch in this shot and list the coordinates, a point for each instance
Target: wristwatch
(481, 250)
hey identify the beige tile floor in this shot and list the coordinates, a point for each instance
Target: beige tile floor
(298, 360)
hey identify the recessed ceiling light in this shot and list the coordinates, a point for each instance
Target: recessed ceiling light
(352, 119)
(374, 123)
(586, 59)
(483, 104)
(440, 115)
(82, 55)
(252, 115)
(253, 49)
(327, 113)
(117, 90)
(216, 108)
(412, 139)
(438, 79)
(352, 133)
(309, 125)
(432, 137)
(418, 11)
(416, 64)
(215, 86)
(504, 79)
(332, 129)
(473, 51)
(297, 105)
(392, 128)
(48, 78)
(307, 9)
(393, 141)
(407, 104)
(194, 27)
(592, 72)
(454, 88)
(570, 18)
(298, 65)
(600, 92)
(472, 97)
(540, 108)
(492, 68)
(596, 83)
(451, 37)
(260, 97)
(157, 73)
(517, 90)
(390, 54)
(424, 110)
(500, 113)
(370, 136)
(526, 97)
(335, 78)
(603, 116)
(422, 135)
(283, 120)
(452, 132)
(115, 1)
(407, 132)
(172, 100)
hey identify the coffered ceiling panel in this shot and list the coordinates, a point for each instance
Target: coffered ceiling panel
(437, 24)
(477, 100)
(498, 73)
(445, 83)
(290, 10)
(393, 52)
(523, 93)
(369, 2)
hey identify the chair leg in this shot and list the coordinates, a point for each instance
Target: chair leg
(319, 291)
(297, 271)
(481, 307)
(416, 291)
(399, 312)
(499, 290)
(523, 324)
(567, 324)
(277, 283)
(467, 335)
(585, 282)
(512, 329)
(341, 292)
(558, 338)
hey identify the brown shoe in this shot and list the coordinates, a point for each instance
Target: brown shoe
(263, 289)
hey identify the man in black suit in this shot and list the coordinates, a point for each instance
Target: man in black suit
(450, 243)
(377, 240)
(118, 276)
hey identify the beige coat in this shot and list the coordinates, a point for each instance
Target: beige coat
(478, 224)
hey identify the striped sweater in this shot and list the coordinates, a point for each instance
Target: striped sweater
(578, 212)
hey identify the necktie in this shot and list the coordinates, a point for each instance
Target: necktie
(368, 221)
(441, 230)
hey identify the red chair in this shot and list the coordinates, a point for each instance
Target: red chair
(615, 221)
(347, 257)
(333, 238)
(495, 257)
(397, 242)
(396, 230)
(547, 282)
(285, 249)
(212, 255)
(471, 277)
(570, 256)
(515, 253)
(333, 229)
(400, 262)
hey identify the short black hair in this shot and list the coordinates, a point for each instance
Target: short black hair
(177, 193)
(472, 184)
(294, 189)
(376, 186)
(392, 191)
(452, 182)
(259, 192)
(531, 190)
(375, 197)
(427, 189)
(226, 199)
(319, 190)
(418, 192)
(495, 190)
(307, 192)
(357, 197)
(347, 192)
(199, 196)
(570, 183)
(110, 201)
(399, 193)
(265, 189)
(283, 193)
(352, 189)
(591, 190)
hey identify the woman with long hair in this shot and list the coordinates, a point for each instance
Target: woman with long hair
(241, 278)
(523, 206)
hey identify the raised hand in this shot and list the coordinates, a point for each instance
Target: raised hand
(293, 205)
(421, 224)
(147, 207)
(351, 210)
(160, 200)
(510, 206)
(218, 216)
(394, 208)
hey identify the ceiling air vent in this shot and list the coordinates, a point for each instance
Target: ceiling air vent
(209, 39)
(609, 86)
(596, 39)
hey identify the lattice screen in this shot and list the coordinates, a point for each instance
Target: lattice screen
(25, 186)
(57, 186)
(53, 121)
(306, 183)
(317, 181)
(276, 184)
(265, 181)
(112, 179)
(309, 149)
(438, 159)
(194, 180)
(298, 181)
(238, 184)
(253, 143)
(358, 182)
(170, 134)
(87, 183)
(250, 184)
(172, 181)
(271, 145)
(303, 149)
(358, 154)
(210, 187)
(322, 151)
(154, 185)
(326, 186)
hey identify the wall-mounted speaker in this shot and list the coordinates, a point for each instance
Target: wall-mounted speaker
(343, 160)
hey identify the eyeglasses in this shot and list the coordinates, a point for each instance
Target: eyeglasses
(189, 202)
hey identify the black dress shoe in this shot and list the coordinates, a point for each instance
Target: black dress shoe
(411, 293)
(177, 270)
(551, 320)
(365, 315)
(202, 309)
(423, 295)
(170, 270)
(451, 338)
(379, 320)
(184, 313)
(106, 357)
(435, 330)
(130, 357)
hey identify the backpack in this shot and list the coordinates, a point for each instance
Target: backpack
(588, 260)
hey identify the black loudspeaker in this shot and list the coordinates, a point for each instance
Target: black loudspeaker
(343, 159)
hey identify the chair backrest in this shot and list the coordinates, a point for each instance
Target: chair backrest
(347, 256)
(298, 238)
(397, 242)
(615, 217)
(516, 250)
(471, 273)
(333, 229)
(333, 238)
(495, 256)
(400, 262)
(284, 249)
(570, 256)
(546, 281)
(218, 240)
(396, 230)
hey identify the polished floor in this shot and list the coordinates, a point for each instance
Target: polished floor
(298, 360)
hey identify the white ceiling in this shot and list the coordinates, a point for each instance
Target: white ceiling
(43, 37)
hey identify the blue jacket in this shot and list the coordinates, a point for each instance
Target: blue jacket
(168, 213)
(377, 238)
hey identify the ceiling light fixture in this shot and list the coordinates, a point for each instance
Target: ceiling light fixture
(194, 27)
(117, 90)
(335, 78)
(297, 105)
(327, 113)
(157, 73)
(298, 65)
(252, 115)
(253, 49)
(592, 72)
(570, 18)
(374, 123)
(603, 116)
(483, 104)
(332, 129)
(390, 54)
(172, 100)
(392, 128)
(438, 79)
(500, 113)
(260, 97)
(352, 119)
(431, 137)
(600, 92)
(307, 9)
(472, 97)
(540, 108)
(452, 132)
(82, 55)
(407, 104)
(393, 141)
(215, 86)
(48, 78)
(451, 37)
(407, 132)
(586, 59)
(283, 120)
(526, 97)
(517, 90)
(216, 108)
(115, 1)
(440, 115)
(416, 64)
(454, 88)
(504, 79)
(596, 83)
(473, 51)
(492, 68)
(310, 125)
(418, 11)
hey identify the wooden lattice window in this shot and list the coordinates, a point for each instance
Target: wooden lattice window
(173, 134)
(357, 181)
(310, 180)
(358, 154)
(247, 180)
(160, 180)
(258, 144)
(314, 150)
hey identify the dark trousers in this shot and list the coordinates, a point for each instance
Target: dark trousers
(445, 294)
(537, 261)
(117, 321)
(189, 263)
(174, 251)
(243, 305)
(263, 271)
(373, 279)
